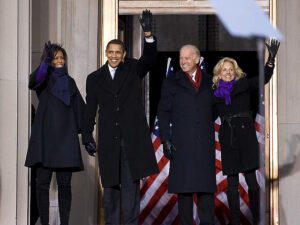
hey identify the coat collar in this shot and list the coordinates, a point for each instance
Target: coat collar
(182, 80)
(113, 85)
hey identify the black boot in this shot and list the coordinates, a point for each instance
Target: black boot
(254, 199)
(233, 198)
(64, 202)
(42, 194)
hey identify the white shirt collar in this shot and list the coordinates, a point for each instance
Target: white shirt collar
(112, 71)
(194, 75)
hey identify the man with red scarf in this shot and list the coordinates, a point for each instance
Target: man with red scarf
(187, 103)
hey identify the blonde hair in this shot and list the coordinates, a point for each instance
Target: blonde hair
(239, 73)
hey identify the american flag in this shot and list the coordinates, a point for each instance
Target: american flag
(158, 207)
(221, 204)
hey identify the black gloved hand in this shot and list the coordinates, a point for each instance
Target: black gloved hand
(168, 149)
(47, 57)
(146, 20)
(91, 148)
(45, 63)
(272, 49)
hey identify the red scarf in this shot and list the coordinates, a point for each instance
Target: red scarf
(196, 84)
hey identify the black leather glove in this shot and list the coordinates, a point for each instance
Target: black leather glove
(47, 56)
(168, 149)
(272, 49)
(45, 62)
(91, 148)
(146, 20)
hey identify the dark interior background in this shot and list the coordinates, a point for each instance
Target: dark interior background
(247, 60)
(204, 31)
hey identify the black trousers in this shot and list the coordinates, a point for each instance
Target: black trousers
(205, 205)
(234, 197)
(122, 202)
(43, 180)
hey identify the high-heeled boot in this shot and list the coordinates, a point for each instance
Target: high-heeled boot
(42, 194)
(64, 203)
(254, 199)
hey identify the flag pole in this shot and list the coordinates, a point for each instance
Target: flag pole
(260, 54)
(168, 65)
(261, 110)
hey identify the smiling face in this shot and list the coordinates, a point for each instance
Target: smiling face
(59, 60)
(115, 54)
(227, 72)
(188, 60)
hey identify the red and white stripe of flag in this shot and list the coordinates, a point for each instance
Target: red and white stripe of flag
(158, 207)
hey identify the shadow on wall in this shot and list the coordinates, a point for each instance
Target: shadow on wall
(85, 199)
(290, 165)
(291, 161)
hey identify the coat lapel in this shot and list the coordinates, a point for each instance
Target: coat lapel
(184, 81)
(107, 75)
(115, 85)
(205, 83)
(120, 78)
(104, 79)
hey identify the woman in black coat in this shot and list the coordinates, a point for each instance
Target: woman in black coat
(54, 143)
(237, 136)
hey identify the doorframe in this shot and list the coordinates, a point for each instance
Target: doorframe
(109, 11)
(271, 132)
(178, 7)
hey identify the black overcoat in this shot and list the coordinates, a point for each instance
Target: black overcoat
(54, 141)
(121, 116)
(239, 145)
(191, 114)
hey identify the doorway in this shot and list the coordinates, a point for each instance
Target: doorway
(236, 48)
(209, 35)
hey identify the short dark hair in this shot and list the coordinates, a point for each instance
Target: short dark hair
(116, 42)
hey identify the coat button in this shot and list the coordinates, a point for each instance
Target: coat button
(117, 124)
(243, 126)
(117, 109)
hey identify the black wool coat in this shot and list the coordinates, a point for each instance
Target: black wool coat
(239, 145)
(121, 115)
(54, 141)
(191, 113)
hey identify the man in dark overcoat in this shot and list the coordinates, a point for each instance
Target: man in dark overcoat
(187, 104)
(124, 144)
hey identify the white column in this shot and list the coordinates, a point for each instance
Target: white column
(289, 112)
(8, 109)
(79, 32)
(14, 69)
(74, 24)
(24, 67)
